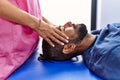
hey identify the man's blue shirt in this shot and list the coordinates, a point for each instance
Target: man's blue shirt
(103, 56)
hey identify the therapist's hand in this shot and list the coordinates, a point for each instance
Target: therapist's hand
(50, 33)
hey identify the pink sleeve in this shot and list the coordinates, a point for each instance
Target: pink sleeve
(17, 42)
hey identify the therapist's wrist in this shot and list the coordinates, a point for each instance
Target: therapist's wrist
(34, 24)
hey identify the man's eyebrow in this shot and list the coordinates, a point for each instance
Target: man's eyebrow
(73, 25)
(59, 27)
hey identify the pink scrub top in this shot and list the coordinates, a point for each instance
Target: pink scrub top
(17, 42)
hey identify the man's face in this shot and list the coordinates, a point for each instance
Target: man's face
(73, 30)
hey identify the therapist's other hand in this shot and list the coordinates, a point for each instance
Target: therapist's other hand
(50, 33)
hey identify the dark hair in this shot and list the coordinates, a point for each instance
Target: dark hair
(81, 33)
(55, 53)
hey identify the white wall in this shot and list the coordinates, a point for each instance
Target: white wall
(108, 12)
(61, 11)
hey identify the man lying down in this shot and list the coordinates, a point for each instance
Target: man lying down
(100, 49)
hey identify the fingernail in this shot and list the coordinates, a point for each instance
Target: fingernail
(62, 43)
(67, 41)
(67, 37)
(53, 45)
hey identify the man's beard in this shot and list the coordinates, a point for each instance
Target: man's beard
(82, 31)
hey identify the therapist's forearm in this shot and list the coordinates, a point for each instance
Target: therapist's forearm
(12, 13)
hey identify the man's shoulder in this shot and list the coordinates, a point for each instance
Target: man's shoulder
(110, 27)
(115, 24)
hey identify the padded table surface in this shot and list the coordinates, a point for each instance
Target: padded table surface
(33, 69)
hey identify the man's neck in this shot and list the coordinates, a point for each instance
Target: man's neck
(85, 43)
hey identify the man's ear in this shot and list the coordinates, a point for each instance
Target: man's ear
(68, 24)
(68, 48)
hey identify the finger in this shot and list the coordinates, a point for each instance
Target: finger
(60, 37)
(61, 34)
(56, 40)
(49, 41)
